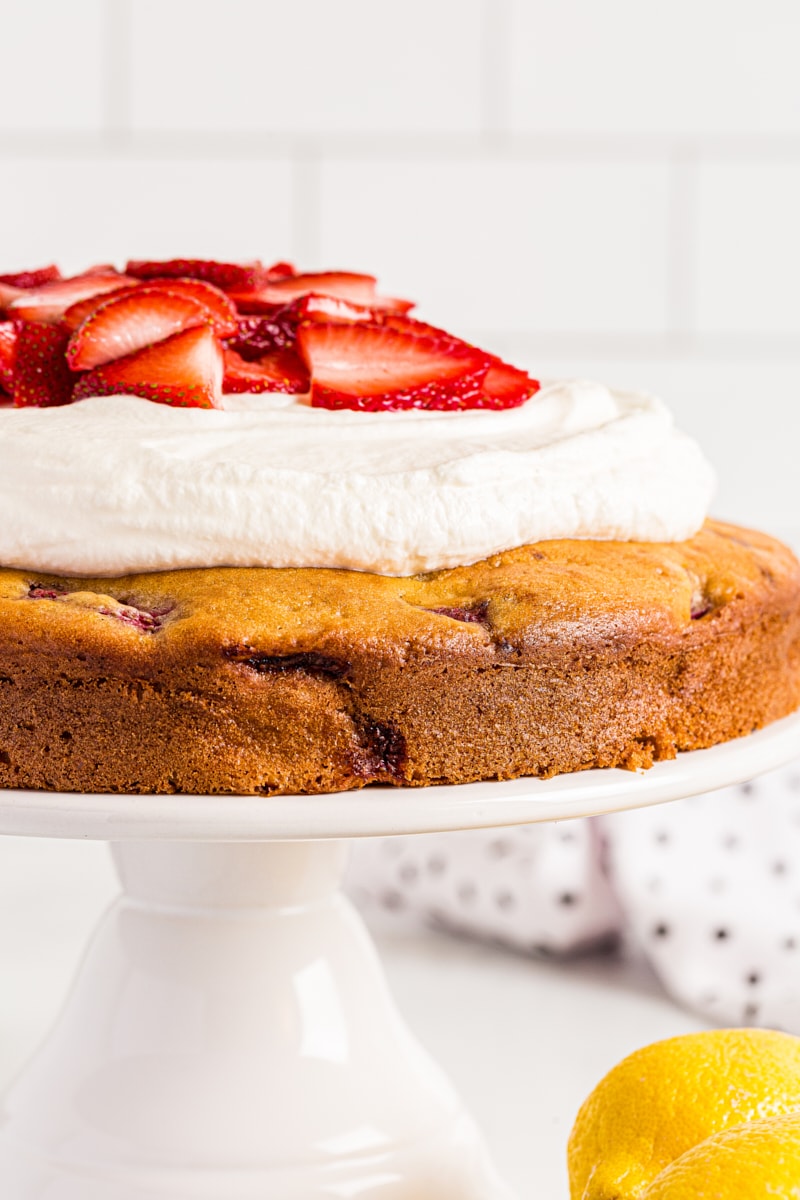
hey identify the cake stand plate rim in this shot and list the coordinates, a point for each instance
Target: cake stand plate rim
(384, 811)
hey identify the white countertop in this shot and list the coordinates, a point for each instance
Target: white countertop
(524, 1041)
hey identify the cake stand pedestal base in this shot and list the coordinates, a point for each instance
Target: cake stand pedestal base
(230, 1037)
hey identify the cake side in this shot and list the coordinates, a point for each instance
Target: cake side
(550, 658)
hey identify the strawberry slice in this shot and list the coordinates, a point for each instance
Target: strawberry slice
(280, 270)
(184, 370)
(227, 276)
(51, 300)
(8, 294)
(281, 371)
(506, 387)
(405, 324)
(220, 308)
(220, 311)
(9, 331)
(256, 336)
(127, 323)
(31, 279)
(76, 314)
(371, 367)
(332, 308)
(342, 285)
(41, 375)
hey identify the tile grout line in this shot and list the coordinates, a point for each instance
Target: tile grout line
(503, 146)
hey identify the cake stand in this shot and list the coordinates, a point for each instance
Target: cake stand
(230, 1035)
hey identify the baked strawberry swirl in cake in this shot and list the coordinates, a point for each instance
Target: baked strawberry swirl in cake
(266, 532)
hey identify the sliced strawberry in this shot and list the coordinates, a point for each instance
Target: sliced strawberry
(228, 276)
(406, 324)
(185, 370)
(220, 309)
(8, 294)
(9, 331)
(371, 367)
(32, 279)
(281, 371)
(76, 314)
(41, 375)
(257, 336)
(48, 302)
(506, 387)
(280, 270)
(127, 323)
(258, 302)
(332, 308)
(342, 285)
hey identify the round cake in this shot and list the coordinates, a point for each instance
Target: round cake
(548, 658)
(344, 547)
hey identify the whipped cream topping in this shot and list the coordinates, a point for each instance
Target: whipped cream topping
(117, 484)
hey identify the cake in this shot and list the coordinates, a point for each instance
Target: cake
(345, 547)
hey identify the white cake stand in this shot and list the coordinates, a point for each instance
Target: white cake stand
(230, 1035)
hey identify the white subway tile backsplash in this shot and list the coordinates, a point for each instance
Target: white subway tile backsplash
(748, 248)
(79, 211)
(488, 243)
(311, 67)
(628, 66)
(53, 66)
(744, 414)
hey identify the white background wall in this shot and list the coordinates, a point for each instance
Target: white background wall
(603, 187)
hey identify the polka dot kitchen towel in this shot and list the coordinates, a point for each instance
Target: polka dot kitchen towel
(709, 888)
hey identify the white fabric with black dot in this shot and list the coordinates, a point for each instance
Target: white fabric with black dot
(708, 887)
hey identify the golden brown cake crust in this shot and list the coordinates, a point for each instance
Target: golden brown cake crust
(545, 659)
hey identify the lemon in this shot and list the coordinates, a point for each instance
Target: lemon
(755, 1160)
(665, 1105)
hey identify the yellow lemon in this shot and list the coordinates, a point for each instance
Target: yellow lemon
(669, 1098)
(749, 1161)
